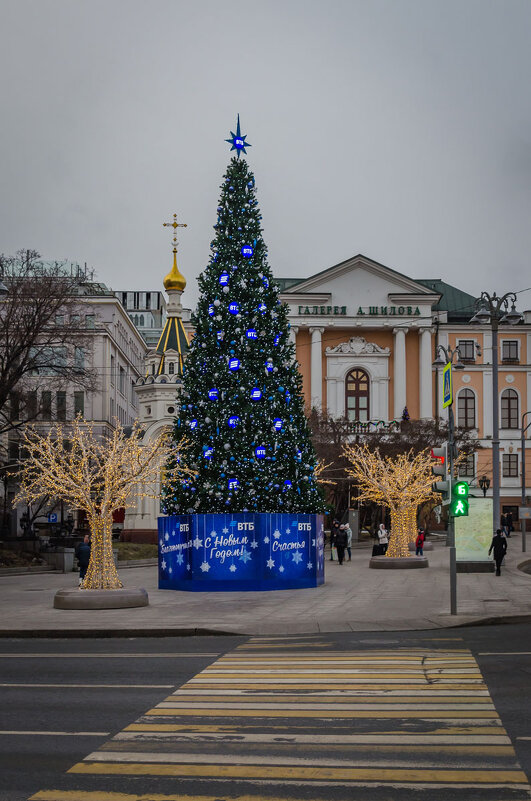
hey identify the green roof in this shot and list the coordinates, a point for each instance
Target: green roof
(458, 304)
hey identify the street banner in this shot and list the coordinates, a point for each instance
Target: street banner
(473, 533)
(447, 385)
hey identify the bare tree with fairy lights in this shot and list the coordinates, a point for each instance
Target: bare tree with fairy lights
(97, 475)
(401, 483)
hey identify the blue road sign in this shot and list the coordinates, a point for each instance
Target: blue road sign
(447, 385)
(52, 518)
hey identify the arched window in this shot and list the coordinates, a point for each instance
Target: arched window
(357, 388)
(466, 408)
(509, 409)
(171, 368)
(141, 321)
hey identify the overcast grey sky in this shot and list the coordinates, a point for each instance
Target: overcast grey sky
(400, 129)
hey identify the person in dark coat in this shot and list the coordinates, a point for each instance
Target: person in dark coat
(419, 542)
(509, 523)
(333, 534)
(341, 543)
(499, 546)
(83, 557)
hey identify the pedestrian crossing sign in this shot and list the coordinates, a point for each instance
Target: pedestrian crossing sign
(447, 385)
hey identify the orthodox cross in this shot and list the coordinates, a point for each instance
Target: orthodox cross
(175, 225)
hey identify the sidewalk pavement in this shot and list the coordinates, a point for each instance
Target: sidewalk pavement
(353, 598)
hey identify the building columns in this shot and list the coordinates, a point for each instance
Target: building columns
(293, 331)
(331, 397)
(399, 372)
(425, 374)
(316, 377)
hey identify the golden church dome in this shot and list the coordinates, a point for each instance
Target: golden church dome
(175, 280)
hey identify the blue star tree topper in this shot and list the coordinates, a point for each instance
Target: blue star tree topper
(238, 141)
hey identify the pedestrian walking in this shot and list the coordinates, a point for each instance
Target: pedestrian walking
(83, 557)
(341, 543)
(419, 543)
(499, 546)
(348, 532)
(383, 539)
(509, 523)
(504, 526)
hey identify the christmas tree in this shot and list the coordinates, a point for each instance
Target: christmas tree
(242, 407)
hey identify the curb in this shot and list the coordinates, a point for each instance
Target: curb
(206, 632)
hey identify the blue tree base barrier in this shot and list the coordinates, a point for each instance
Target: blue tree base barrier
(241, 551)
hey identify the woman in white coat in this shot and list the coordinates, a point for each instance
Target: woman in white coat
(383, 538)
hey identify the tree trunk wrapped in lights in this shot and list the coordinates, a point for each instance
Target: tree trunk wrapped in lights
(98, 475)
(401, 484)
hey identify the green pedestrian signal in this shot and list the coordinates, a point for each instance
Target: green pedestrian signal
(459, 505)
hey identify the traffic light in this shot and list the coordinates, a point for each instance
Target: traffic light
(459, 506)
(440, 468)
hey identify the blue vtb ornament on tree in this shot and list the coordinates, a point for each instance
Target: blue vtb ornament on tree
(234, 364)
(260, 452)
(233, 421)
(224, 279)
(251, 333)
(213, 394)
(247, 251)
(234, 307)
(256, 393)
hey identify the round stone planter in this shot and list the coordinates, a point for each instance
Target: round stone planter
(398, 563)
(123, 598)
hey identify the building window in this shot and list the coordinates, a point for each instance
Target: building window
(510, 465)
(171, 368)
(90, 320)
(79, 359)
(79, 404)
(141, 321)
(467, 467)
(112, 371)
(467, 349)
(509, 409)
(31, 406)
(357, 396)
(509, 350)
(14, 402)
(121, 381)
(60, 399)
(466, 408)
(46, 405)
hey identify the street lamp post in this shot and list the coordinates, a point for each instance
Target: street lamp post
(446, 356)
(493, 310)
(523, 522)
(484, 484)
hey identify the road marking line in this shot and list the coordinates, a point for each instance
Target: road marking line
(477, 777)
(438, 740)
(358, 697)
(370, 706)
(494, 729)
(57, 733)
(504, 653)
(102, 656)
(187, 758)
(93, 686)
(326, 714)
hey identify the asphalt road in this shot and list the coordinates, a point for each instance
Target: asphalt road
(62, 700)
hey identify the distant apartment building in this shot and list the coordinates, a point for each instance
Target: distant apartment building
(147, 312)
(103, 339)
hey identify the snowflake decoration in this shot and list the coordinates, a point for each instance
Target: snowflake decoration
(205, 567)
(245, 557)
(297, 557)
(276, 534)
(163, 564)
(310, 565)
(270, 563)
(232, 568)
(281, 568)
(197, 542)
(225, 530)
(166, 536)
(254, 544)
(266, 540)
(180, 558)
